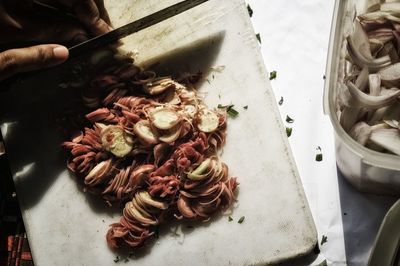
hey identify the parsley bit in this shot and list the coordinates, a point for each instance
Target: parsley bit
(258, 36)
(324, 263)
(250, 10)
(289, 131)
(229, 110)
(246, 107)
(230, 219)
(324, 239)
(318, 157)
(241, 220)
(289, 119)
(319, 148)
(116, 259)
(280, 101)
(272, 75)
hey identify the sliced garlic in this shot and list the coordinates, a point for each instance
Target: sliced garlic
(115, 140)
(208, 121)
(144, 132)
(164, 118)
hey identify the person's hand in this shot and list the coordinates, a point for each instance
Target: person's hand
(20, 21)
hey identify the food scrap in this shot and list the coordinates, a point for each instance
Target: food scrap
(250, 10)
(324, 239)
(258, 36)
(289, 119)
(319, 157)
(280, 101)
(272, 75)
(241, 220)
(289, 131)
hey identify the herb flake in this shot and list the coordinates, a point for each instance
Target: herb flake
(250, 10)
(324, 263)
(258, 36)
(116, 260)
(324, 239)
(289, 131)
(229, 110)
(280, 101)
(318, 157)
(289, 119)
(230, 219)
(272, 75)
(241, 220)
(245, 107)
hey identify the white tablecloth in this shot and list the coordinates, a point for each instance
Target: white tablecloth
(295, 36)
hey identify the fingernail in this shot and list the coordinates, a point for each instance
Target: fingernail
(60, 52)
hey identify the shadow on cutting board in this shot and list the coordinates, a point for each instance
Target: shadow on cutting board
(30, 108)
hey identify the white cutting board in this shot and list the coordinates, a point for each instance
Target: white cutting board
(67, 227)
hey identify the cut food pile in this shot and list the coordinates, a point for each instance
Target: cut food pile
(151, 145)
(368, 100)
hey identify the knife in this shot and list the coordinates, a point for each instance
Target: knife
(130, 28)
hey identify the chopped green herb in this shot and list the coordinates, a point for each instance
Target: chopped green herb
(318, 157)
(116, 259)
(246, 107)
(229, 110)
(250, 10)
(241, 220)
(289, 131)
(324, 263)
(280, 101)
(324, 239)
(319, 148)
(230, 219)
(258, 36)
(289, 119)
(272, 75)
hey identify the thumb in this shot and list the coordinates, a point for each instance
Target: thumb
(31, 58)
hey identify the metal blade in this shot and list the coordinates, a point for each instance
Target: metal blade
(128, 29)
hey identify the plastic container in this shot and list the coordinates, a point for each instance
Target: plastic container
(367, 170)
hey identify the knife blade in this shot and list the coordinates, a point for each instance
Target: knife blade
(135, 26)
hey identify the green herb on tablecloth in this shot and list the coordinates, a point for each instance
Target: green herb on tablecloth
(258, 36)
(272, 75)
(280, 101)
(289, 131)
(241, 220)
(324, 239)
(318, 157)
(245, 107)
(229, 110)
(230, 219)
(289, 119)
(324, 263)
(250, 10)
(116, 260)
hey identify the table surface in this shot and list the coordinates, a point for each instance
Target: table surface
(295, 37)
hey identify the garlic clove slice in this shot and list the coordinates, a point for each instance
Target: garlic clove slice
(387, 138)
(115, 140)
(171, 136)
(361, 133)
(164, 118)
(208, 121)
(370, 101)
(390, 75)
(144, 132)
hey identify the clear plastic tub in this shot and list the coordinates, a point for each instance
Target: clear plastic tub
(367, 170)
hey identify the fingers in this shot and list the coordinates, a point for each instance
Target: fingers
(90, 14)
(32, 58)
(103, 11)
